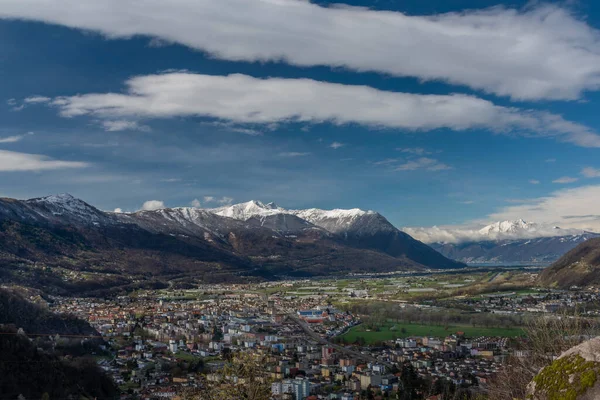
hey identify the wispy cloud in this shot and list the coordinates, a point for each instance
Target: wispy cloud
(336, 145)
(387, 161)
(11, 161)
(590, 172)
(292, 154)
(534, 181)
(123, 125)
(31, 100)
(542, 51)
(419, 151)
(15, 138)
(565, 179)
(424, 163)
(242, 99)
(238, 128)
(37, 99)
(223, 200)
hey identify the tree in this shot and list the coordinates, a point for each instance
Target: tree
(411, 385)
(242, 378)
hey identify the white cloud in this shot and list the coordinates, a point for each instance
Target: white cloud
(246, 131)
(37, 99)
(565, 179)
(573, 208)
(425, 163)
(551, 160)
(387, 161)
(123, 125)
(152, 205)
(247, 100)
(15, 138)
(196, 203)
(336, 145)
(118, 210)
(419, 151)
(590, 172)
(171, 180)
(31, 100)
(538, 52)
(293, 154)
(534, 181)
(225, 200)
(467, 202)
(13, 161)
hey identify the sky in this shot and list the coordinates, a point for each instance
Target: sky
(451, 114)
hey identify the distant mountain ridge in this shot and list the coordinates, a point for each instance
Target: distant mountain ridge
(536, 251)
(250, 239)
(505, 242)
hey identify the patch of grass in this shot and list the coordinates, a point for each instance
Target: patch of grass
(401, 330)
(186, 356)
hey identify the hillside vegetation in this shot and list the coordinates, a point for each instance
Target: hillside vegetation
(579, 267)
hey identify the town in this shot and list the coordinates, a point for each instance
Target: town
(161, 344)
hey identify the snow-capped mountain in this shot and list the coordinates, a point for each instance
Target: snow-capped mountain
(333, 221)
(503, 242)
(516, 227)
(251, 238)
(513, 242)
(521, 229)
(250, 209)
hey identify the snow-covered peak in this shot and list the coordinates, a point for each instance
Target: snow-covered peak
(315, 214)
(62, 201)
(66, 207)
(250, 209)
(334, 221)
(497, 231)
(515, 226)
(60, 198)
(340, 221)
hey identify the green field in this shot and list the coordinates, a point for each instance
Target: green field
(186, 356)
(387, 333)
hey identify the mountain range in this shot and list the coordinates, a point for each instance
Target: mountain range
(511, 242)
(64, 243)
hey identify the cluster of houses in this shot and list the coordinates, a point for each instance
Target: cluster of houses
(163, 346)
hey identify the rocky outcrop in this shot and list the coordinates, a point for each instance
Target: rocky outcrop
(572, 376)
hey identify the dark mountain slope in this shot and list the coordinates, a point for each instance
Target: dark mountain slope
(580, 267)
(42, 238)
(34, 366)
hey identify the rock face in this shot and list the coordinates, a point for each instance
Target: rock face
(573, 376)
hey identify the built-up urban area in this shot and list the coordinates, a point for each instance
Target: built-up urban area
(164, 344)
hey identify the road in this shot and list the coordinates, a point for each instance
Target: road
(341, 349)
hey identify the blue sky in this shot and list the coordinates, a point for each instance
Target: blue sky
(307, 105)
